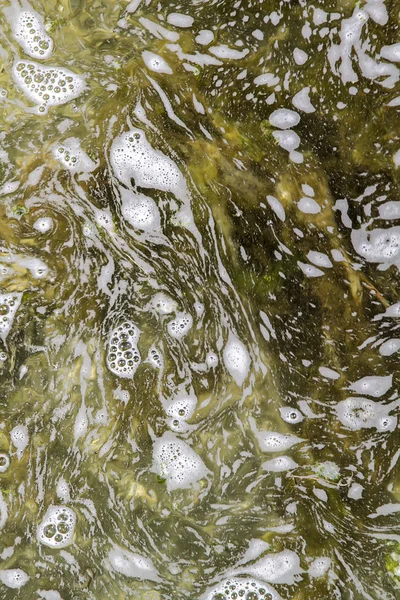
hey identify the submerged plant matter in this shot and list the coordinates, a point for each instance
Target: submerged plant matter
(199, 307)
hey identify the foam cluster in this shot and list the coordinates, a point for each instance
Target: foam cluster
(132, 565)
(280, 567)
(47, 86)
(272, 441)
(291, 415)
(245, 588)
(13, 578)
(9, 304)
(280, 464)
(132, 157)
(30, 34)
(20, 438)
(43, 224)
(176, 462)
(4, 462)
(163, 304)
(379, 245)
(284, 118)
(179, 410)
(72, 157)
(123, 356)
(140, 211)
(360, 413)
(156, 63)
(236, 359)
(372, 385)
(155, 358)
(180, 326)
(57, 528)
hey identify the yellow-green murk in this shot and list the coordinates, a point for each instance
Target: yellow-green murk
(199, 300)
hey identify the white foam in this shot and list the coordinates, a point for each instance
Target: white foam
(30, 33)
(57, 527)
(62, 490)
(273, 441)
(13, 578)
(320, 259)
(308, 206)
(156, 63)
(43, 224)
(355, 491)
(20, 438)
(9, 304)
(374, 386)
(47, 86)
(360, 413)
(225, 52)
(288, 139)
(175, 461)
(163, 304)
(276, 206)
(389, 347)
(205, 37)
(123, 356)
(389, 210)
(140, 211)
(236, 359)
(291, 415)
(319, 567)
(181, 407)
(132, 157)
(267, 79)
(302, 101)
(300, 57)
(310, 270)
(211, 360)
(132, 565)
(180, 20)
(281, 567)
(155, 358)
(72, 157)
(284, 118)
(241, 587)
(378, 245)
(279, 464)
(180, 326)
(391, 52)
(4, 462)
(329, 373)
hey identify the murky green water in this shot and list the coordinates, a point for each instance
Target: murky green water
(200, 252)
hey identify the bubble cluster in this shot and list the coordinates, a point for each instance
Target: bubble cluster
(43, 224)
(379, 245)
(180, 326)
(156, 63)
(272, 441)
(123, 356)
(30, 34)
(372, 385)
(155, 358)
(245, 588)
(20, 438)
(176, 462)
(279, 464)
(72, 157)
(13, 578)
(319, 566)
(140, 211)
(359, 413)
(132, 565)
(132, 157)
(284, 118)
(57, 528)
(280, 567)
(47, 86)
(9, 304)
(163, 304)
(236, 359)
(291, 415)
(179, 410)
(4, 462)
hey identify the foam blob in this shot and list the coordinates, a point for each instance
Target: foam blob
(180, 326)
(279, 464)
(241, 587)
(175, 461)
(205, 37)
(391, 52)
(389, 347)
(308, 206)
(211, 360)
(4, 462)
(140, 211)
(132, 565)
(373, 385)
(377, 246)
(43, 224)
(236, 359)
(163, 304)
(132, 157)
(20, 438)
(310, 270)
(57, 528)
(30, 34)
(282, 567)
(155, 358)
(288, 139)
(302, 101)
(320, 259)
(300, 57)
(272, 441)
(123, 356)
(276, 205)
(9, 304)
(72, 157)
(156, 63)
(47, 86)
(179, 410)
(13, 578)
(284, 118)
(180, 20)
(319, 567)
(291, 415)
(360, 413)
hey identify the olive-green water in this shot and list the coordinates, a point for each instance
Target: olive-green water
(199, 300)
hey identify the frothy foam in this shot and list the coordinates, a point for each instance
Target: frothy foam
(236, 359)
(180, 326)
(282, 567)
(279, 464)
(379, 245)
(175, 461)
(132, 157)
(140, 211)
(4, 462)
(272, 441)
(20, 438)
(57, 528)
(360, 413)
(123, 356)
(179, 410)
(9, 304)
(43, 224)
(319, 566)
(291, 415)
(156, 63)
(72, 157)
(241, 587)
(155, 358)
(132, 565)
(163, 304)
(284, 118)
(13, 578)
(30, 34)
(374, 386)
(47, 86)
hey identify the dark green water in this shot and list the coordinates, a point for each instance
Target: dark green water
(199, 300)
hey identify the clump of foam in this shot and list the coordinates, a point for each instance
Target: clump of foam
(155, 358)
(284, 118)
(236, 359)
(211, 360)
(319, 566)
(123, 356)
(156, 63)
(241, 587)
(279, 464)
(132, 565)
(179, 410)
(57, 528)
(140, 211)
(282, 567)
(4, 462)
(30, 34)
(180, 326)
(47, 86)
(272, 441)
(163, 304)
(13, 578)
(379, 245)
(180, 20)
(360, 413)
(175, 461)
(132, 157)
(372, 385)
(291, 415)
(308, 206)
(43, 224)
(20, 438)
(9, 304)
(72, 157)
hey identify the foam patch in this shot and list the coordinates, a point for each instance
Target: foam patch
(123, 356)
(282, 567)
(180, 326)
(360, 413)
(272, 441)
(57, 528)
(13, 578)
(140, 211)
(132, 565)
(30, 34)
(284, 118)
(241, 587)
(236, 359)
(9, 304)
(72, 157)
